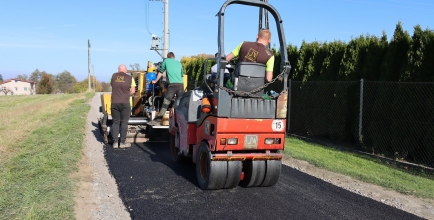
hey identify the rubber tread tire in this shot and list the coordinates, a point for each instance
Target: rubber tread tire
(254, 173)
(217, 170)
(234, 174)
(174, 151)
(272, 172)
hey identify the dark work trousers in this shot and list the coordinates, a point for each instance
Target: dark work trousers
(172, 90)
(121, 114)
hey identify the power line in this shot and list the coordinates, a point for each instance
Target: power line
(147, 16)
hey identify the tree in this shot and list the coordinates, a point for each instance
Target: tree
(106, 87)
(65, 82)
(136, 66)
(95, 84)
(35, 76)
(1, 78)
(22, 77)
(377, 49)
(82, 86)
(420, 56)
(396, 57)
(46, 84)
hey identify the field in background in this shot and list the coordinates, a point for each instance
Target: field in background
(40, 146)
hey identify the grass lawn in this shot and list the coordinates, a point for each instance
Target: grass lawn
(362, 168)
(41, 144)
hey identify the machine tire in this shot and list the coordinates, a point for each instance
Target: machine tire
(175, 150)
(210, 174)
(234, 174)
(254, 173)
(272, 173)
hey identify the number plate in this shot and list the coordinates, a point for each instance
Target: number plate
(277, 125)
(250, 141)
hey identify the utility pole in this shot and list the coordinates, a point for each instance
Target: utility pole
(166, 28)
(88, 63)
(155, 41)
(94, 79)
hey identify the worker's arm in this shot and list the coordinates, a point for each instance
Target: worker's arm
(133, 87)
(269, 76)
(159, 74)
(269, 69)
(235, 52)
(230, 56)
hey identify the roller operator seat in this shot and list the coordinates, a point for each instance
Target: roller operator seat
(249, 76)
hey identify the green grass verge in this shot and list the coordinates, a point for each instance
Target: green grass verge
(36, 180)
(360, 167)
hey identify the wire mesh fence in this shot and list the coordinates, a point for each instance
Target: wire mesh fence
(398, 121)
(325, 110)
(390, 119)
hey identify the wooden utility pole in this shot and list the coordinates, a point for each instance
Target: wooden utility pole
(88, 63)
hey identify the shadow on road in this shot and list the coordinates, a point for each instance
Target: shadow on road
(97, 132)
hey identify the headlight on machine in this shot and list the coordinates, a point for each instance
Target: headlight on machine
(232, 141)
(269, 140)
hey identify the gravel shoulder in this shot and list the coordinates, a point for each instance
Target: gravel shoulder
(97, 195)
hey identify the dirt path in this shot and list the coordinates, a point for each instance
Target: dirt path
(97, 197)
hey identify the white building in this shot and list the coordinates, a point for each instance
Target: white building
(17, 87)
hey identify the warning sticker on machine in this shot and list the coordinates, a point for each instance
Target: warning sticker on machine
(277, 125)
(197, 95)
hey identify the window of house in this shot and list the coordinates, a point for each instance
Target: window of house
(25, 88)
(16, 80)
(16, 89)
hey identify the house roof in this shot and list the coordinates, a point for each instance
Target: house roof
(11, 79)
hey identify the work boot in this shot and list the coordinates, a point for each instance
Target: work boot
(115, 144)
(124, 145)
(156, 121)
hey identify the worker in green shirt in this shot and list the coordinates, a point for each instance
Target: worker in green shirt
(174, 73)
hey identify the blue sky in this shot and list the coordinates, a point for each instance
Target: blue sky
(52, 35)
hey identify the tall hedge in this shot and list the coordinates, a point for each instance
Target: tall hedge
(395, 59)
(373, 58)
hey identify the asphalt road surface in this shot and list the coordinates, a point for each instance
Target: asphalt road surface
(152, 186)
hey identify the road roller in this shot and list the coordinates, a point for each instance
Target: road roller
(235, 134)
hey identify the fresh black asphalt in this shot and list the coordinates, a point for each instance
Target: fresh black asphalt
(152, 186)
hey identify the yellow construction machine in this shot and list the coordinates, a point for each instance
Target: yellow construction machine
(145, 104)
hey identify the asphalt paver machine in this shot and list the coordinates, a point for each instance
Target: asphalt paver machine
(144, 104)
(234, 135)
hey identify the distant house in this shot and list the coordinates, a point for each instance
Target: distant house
(17, 87)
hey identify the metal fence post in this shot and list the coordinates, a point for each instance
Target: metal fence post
(288, 106)
(361, 111)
